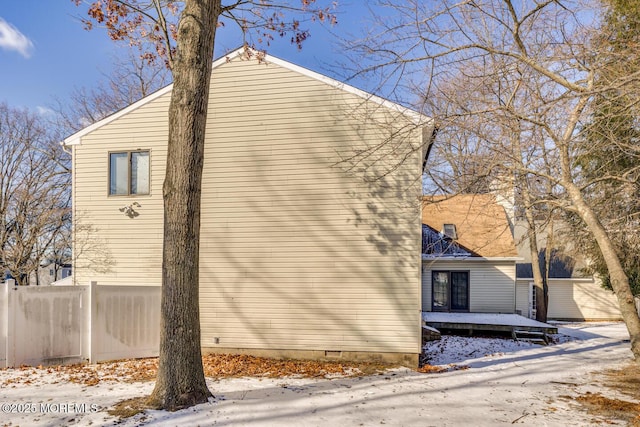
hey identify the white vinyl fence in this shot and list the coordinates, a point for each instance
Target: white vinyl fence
(125, 322)
(43, 325)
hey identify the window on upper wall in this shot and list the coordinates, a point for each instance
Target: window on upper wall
(129, 173)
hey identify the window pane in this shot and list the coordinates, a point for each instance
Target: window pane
(459, 290)
(440, 291)
(140, 173)
(533, 297)
(118, 170)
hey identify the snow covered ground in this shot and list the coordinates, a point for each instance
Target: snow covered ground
(505, 383)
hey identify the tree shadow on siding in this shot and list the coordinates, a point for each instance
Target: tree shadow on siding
(315, 254)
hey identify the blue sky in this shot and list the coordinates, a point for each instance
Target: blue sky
(45, 51)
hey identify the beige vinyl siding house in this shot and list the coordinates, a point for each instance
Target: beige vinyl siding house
(491, 283)
(110, 247)
(310, 231)
(474, 269)
(572, 294)
(571, 299)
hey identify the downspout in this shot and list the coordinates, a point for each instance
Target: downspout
(64, 148)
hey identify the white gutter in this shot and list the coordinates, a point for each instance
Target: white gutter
(558, 279)
(426, 257)
(65, 147)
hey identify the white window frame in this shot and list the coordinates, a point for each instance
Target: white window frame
(450, 231)
(532, 300)
(129, 154)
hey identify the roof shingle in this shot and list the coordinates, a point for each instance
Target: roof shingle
(481, 223)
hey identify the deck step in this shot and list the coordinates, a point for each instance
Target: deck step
(430, 333)
(539, 341)
(536, 337)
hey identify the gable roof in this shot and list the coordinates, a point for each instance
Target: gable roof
(243, 54)
(481, 223)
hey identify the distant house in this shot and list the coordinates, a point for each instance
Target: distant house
(572, 294)
(49, 273)
(468, 255)
(310, 230)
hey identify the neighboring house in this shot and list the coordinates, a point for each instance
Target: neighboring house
(310, 228)
(45, 274)
(49, 273)
(468, 255)
(572, 294)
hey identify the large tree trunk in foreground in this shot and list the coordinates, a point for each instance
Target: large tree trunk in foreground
(619, 279)
(180, 381)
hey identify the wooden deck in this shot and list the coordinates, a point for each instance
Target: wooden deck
(484, 322)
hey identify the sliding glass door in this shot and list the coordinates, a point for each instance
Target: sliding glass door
(450, 291)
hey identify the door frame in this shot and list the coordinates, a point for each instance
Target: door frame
(532, 300)
(449, 291)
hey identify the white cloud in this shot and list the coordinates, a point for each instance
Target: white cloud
(12, 39)
(44, 111)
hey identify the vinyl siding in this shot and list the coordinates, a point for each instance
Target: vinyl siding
(111, 248)
(576, 300)
(522, 297)
(301, 248)
(491, 283)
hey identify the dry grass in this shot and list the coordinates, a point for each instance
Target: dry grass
(227, 365)
(625, 381)
(224, 366)
(430, 369)
(129, 407)
(215, 366)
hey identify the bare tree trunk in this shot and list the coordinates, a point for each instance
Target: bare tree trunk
(532, 233)
(180, 381)
(548, 254)
(541, 307)
(619, 279)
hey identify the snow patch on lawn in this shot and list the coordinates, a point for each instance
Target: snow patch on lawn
(452, 349)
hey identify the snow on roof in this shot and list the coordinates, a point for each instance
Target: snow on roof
(438, 244)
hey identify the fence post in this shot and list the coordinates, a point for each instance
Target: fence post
(4, 322)
(86, 323)
(93, 312)
(11, 322)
